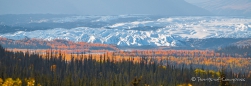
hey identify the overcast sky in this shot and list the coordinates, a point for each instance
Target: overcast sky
(75, 6)
(196, 1)
(41, 6)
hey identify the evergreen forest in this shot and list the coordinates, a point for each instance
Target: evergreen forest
(31, 69)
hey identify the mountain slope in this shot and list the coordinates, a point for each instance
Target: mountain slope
(137, 30)
(246, 42)
(226, 7)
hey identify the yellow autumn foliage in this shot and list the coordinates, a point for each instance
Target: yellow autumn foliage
(185, 84)
(17, 82)
(10, 82)
(30, 82)
(53, 67)
(200, 71)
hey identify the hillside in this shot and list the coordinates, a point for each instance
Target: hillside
(225, 7)
(246, 42)
(129, 30)
(56, 44)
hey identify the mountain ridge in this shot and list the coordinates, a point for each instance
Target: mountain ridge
(225, 7)
(134, 30)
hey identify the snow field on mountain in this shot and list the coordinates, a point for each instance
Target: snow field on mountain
(168, 31)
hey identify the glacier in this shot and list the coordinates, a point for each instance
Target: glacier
(164, 31)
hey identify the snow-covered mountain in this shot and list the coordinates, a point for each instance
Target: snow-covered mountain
(139, 30)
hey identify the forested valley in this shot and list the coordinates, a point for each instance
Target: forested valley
(32, 69)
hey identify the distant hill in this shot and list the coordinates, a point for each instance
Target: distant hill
(225, 7)
(31, 43)
(246, 42)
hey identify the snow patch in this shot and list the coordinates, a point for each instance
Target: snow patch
(241, 27)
